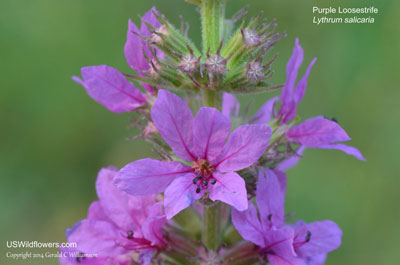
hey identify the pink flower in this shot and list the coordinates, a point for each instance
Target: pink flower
(279, 243)
(201, 142)
(119, 223)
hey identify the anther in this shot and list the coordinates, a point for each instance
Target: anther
(130, 234)
(198, 190)
(80, 256)
(308, 236)
(213, 181)
(197, 178)
(205, 182)
(270, 217)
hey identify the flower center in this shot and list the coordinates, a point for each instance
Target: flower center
(204, 174)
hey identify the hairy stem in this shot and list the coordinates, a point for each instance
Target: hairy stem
(210, 22)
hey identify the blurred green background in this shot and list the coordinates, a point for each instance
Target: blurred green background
(54, 138)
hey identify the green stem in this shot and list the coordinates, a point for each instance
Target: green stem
(212, 98)
(210, 22)
(211, 225)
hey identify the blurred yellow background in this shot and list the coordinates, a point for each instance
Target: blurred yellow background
(54, 138)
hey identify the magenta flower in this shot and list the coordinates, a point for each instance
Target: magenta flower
(279, 243)
(110, 88)
(119, 223)
(137, 49)
(313, 241)
(319, 132)
(201, 142)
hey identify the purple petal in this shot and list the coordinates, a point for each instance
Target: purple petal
(245, 146)
(284, 260)
(114, 202)
(135, 45)
(133, 50)
(300, 88)
(323, 237)
(152, 229)
(96, 212)
(317, 131)
(97, 237)
(148, 176)
(145, 256)
(210, 130)
(110, 88)
(280, 241)
(231, 189)
(151, 19)
(174, 121)
(248, 225)
(350, 150)
(292, 69)
(265, 113)
(270, 197)
(179, 195)
(316, 260)
(230, 105)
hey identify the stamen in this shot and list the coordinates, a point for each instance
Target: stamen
(130, 234)
(213, 181)
(270, 217)
(198, 190)
(205, 182)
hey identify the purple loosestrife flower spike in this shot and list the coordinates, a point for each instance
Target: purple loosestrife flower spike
(110, 88)
(201, 142)
(119, 223)
(319, 132)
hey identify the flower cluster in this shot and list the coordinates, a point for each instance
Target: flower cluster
(216, 195)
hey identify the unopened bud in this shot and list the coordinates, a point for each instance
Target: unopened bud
(155, 36)
(255, 72)
(250, 38)
(216, 64)
(189, 63)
